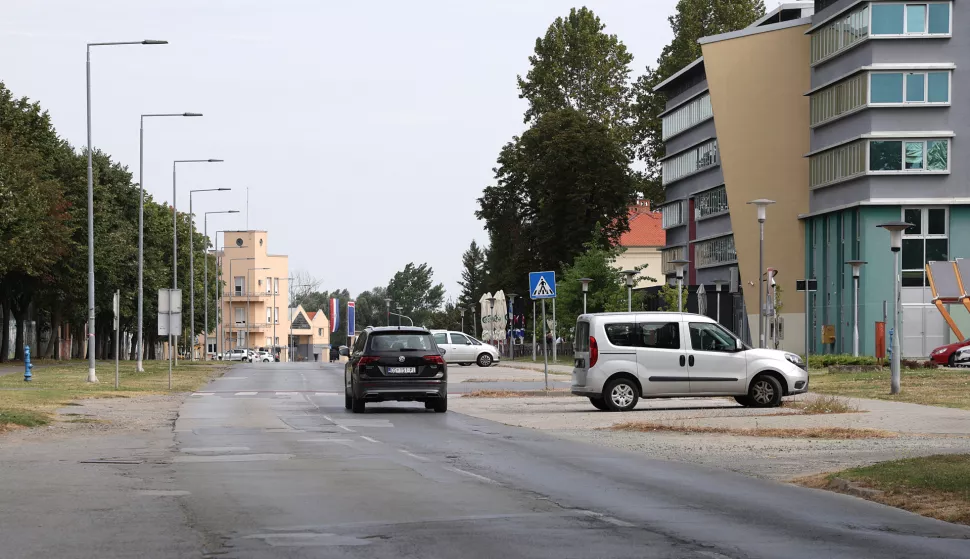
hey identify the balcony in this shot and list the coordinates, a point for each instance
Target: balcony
(252, 326)
(248, 295)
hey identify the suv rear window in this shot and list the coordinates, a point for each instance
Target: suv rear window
(401, 342)
(582, 336)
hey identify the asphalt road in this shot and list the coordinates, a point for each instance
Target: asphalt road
(271, 465)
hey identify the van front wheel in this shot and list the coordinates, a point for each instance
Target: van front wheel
(621, 395)
(598, 403)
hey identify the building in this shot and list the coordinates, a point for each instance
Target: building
(642, 243)
(254, 290)
(841, 114)
(309, 335)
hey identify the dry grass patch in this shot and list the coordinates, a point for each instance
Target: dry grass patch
(934, 486)
(933, 387)
(514, 393)
(822, 405)
(789, 433)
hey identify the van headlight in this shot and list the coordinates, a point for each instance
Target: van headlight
(794, 359)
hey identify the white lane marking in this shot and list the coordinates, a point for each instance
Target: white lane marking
(216, 449)
(233, 458)
(286, 393)
(163, 492)
(366, 438)
(341, 441)
(203, 393)
(607, 519)
(421, 458)
(348, 429)
(476, 476)
(325, 393)
(246, 393)
(327, 417)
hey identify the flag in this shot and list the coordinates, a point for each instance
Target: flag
(351, 318)
(334, 315)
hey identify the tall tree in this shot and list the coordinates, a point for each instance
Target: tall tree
(472, 275)
(371, 308)
(578, 66)
(414, 290)
(693, 19)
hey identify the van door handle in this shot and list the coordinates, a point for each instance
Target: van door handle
(690, 360)
(682, 360)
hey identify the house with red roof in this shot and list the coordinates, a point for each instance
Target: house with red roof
(642, 243)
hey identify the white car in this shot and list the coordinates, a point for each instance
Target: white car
(238, 354)
(463, 349)
(265, 357)
(961, 358)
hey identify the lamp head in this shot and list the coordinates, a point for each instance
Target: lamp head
(856, 267)
(629, 274)
(762, 204)
(585, 282)
(895, 229)
(679, 265)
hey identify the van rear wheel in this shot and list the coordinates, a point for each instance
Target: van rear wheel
(620, 394)
(598, 403)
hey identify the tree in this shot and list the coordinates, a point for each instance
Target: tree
(562, 181)
(668, 294)
(694, 19)
(412, 288)
(472, 275)
(371, 308)
(578, 66)
(300, 286)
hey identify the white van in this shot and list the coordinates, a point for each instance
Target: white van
(622, 357)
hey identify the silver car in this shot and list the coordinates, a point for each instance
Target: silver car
(622, 357)
(463, 349)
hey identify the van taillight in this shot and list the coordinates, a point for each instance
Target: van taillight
(594, 351)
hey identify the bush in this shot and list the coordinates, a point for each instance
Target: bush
(917, 364)
(826, 361)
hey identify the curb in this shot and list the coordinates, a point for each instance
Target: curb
(851, 488)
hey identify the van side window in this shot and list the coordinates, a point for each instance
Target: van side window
(621, 334)
(710, 337)
(660, 335)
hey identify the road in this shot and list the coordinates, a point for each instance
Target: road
(271, 465)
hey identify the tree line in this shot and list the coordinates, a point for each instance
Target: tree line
(44, 246)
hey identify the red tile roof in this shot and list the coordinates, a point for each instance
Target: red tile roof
(646, 227)
(311, 314)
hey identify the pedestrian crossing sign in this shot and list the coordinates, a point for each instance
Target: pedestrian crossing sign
(542, 285)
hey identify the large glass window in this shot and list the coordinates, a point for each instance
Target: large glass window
(840, 34)
(909, 155)
(715, 252)
(673, 214)
(887, 19)
(938, 87)
(885, 155)
(669, 255)
(911, 19)
(886, 88)
(710, 203)
(939, 18)
(687, 116)
(911, 87)
(690, 161)
(837, 164)
(926, 241)
(839, 99)
(915, 88)
(916, 18)
(660, 335)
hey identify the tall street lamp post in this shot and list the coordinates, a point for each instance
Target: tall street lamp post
(511, 297)
(895, 229)
(718, 283)
(585, 282)
(762, 205)
(628, 276)
(141, 227)
(474, 323)
(192, 266)
(387, 302)
(205, 275)
(462, 311)
(856, 269)
(679, 266)
(92, 376)
(400, 309)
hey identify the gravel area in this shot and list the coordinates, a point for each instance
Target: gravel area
(923, 430)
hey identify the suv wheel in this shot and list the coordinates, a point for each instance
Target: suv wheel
(765, 392)
(484, 360)
(357, 404)
(348, 400)
(598, 403)
(440, 405)
(620, 395)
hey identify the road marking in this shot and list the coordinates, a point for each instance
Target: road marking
(327, 417)
(348, 429)
(216, 449)
(163, 492)
(325, 393)
(203, 393)
(476, 476)
(366, 438)
(421, 458)
(233, 458)
(246, 393)
(607, 519)
(286, 393)
(341, 441)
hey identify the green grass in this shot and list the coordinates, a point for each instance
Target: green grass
(933, 387)
(936, 486)
(56, 385)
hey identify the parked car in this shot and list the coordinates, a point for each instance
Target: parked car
(463, 349)
(946, 355)
(622, 357)
(265, 357)
(238, 354)
(961, 357)
(394, 363)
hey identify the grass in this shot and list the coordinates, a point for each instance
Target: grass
(57, 385)
(934, 486)
(933, 387)
(514, 393)
(822, 405)
(839, 433)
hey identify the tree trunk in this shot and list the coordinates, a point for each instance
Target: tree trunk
(5, 333)
(19, 315)
(55, 338)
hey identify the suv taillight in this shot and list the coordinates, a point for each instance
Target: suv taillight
(434, 359)
(367, 360)
(594, 352)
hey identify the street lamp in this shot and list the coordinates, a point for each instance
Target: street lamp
(462, 311)
(141, 225)
(205, 275)
(92, 376)
(400, 309)
(856, 268)
(585, 282)
(895, 229)
(387, 301)
(718, 283)
(232, 317)
(474, 323)
(491, 320)
(192, 264)
(511, 297)
(762, 204)
(629, 275)
(679, 265)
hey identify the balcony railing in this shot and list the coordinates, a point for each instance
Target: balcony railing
(242, 294)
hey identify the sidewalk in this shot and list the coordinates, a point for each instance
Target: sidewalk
(536, 366)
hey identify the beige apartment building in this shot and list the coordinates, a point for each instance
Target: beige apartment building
(642, 244)
(255, 294)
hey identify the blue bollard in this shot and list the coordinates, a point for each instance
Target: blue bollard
(27, 364)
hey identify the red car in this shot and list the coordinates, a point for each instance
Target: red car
(943, 355)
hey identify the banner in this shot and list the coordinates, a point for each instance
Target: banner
(351, 318)
(334, 315)
(494, 316)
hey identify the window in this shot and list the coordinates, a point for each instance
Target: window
(319, 331)
(582, 336)
(238, 281)
(276, 317)
(674, 214)
(706, 336)
(269, 315)
(926, 241)
(276, 286)
(459, 339)
(441, 339)
(269, 285)
(667, 255)
(909, 155)
(710, 203)
(621, 334)
(911, 19)
(837, 164)
(240, 316)
(687, 116)
(691, 161)
(893, 88)
(840, 34)
(715, 252)
(660, 336)
(839, 99)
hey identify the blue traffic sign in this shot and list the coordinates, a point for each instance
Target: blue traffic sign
(542, 285)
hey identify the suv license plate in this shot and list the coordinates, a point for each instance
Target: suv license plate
(402, 370)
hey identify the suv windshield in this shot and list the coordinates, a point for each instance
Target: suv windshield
(401, 342)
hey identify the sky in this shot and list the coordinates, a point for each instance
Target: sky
(364, 131)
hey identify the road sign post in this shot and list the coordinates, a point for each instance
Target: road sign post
(116, 307)
(808, 286)
(542, 286)
(169, 321)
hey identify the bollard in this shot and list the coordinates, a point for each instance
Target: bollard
(27, 364)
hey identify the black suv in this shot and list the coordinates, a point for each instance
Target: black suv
(395, 363)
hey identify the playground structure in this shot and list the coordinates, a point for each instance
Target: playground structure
(948, 283)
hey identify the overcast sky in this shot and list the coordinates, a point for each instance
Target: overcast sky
(364, 130)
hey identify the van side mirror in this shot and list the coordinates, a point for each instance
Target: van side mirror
(738, 345)
(344, 351)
